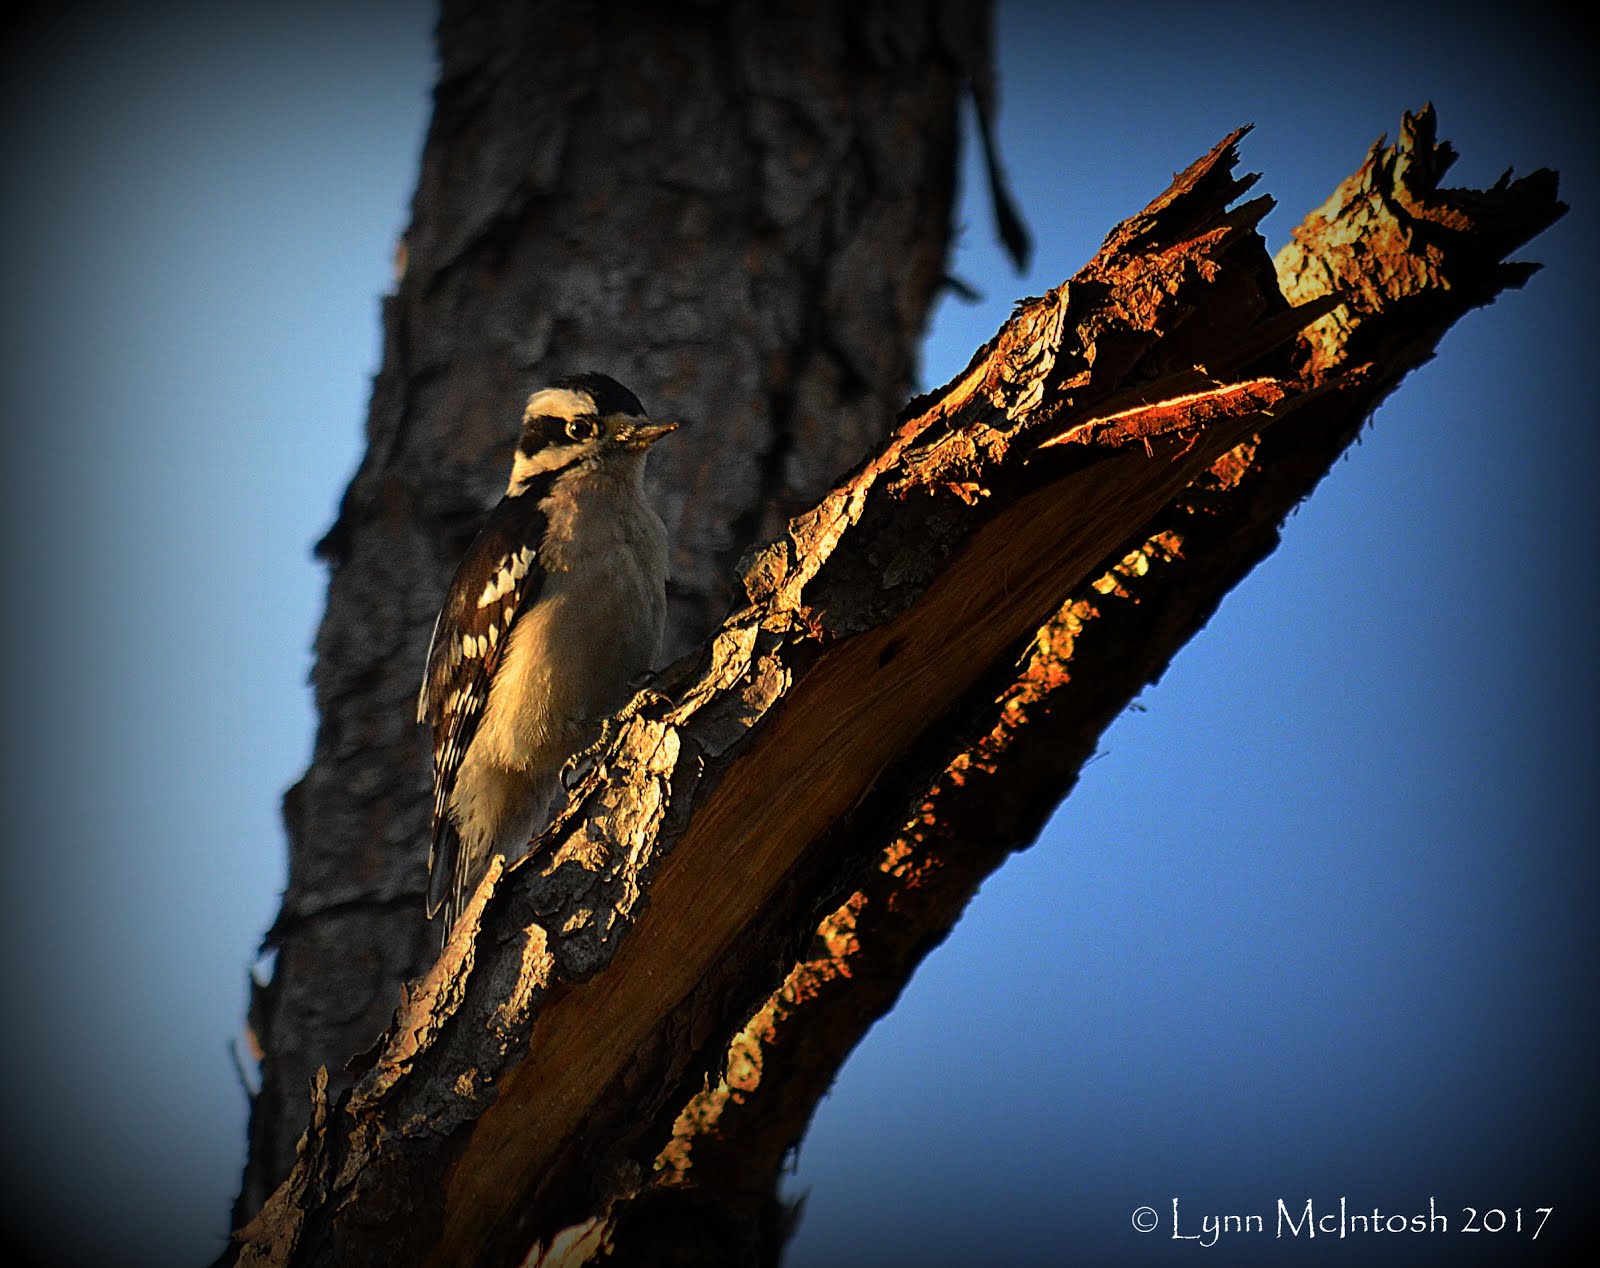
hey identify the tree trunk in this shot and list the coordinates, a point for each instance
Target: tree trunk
(925, 659)
(741, 211)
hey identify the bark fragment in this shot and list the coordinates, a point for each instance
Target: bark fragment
(1075, 503)
(1113, 636)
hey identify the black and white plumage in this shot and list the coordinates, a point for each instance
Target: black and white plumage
(557, 606)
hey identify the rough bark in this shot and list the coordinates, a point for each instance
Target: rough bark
(742, 211)
(1411, 257)
(800, 807)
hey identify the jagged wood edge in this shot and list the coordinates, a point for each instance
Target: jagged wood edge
(730, 1140)
(1104, 645)
(455, 1054)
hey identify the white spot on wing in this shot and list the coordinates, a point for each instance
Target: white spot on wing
(512, 570)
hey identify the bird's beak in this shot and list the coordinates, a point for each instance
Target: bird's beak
(644, 437)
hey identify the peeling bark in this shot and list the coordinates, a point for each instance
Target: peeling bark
(1113, 636)
(925, 660)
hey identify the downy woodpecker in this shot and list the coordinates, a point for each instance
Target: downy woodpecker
(556, 608)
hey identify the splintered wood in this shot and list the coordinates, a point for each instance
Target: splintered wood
(779, 827)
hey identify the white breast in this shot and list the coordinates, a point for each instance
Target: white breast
(595, 626)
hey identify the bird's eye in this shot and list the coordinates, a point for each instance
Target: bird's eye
(583, 428)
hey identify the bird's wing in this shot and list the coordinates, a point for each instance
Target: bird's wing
(499, 576)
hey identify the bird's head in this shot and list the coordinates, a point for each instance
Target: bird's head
(585, 418)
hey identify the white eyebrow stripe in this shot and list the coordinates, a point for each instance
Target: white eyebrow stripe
(562, 402)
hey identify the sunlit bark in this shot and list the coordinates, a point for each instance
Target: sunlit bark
(800, 806)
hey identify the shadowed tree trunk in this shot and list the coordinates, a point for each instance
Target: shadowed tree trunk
(628, 1031)
(742, 211)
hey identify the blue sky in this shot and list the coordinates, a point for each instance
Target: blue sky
(1346, 950)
